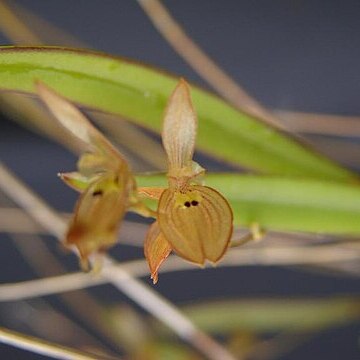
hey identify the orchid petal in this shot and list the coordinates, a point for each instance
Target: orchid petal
(179, 128)
(74, 121)
(197, 223)
(156, 250)
(98, 213)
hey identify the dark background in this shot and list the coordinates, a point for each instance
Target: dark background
(289, 54)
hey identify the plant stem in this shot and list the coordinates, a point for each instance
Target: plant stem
(45, 348)
(290, 256)
(218, 79)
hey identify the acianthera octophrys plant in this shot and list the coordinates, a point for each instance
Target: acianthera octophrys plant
(193, 220)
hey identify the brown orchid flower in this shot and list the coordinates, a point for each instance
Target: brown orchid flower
(192, 219)
(107, 186)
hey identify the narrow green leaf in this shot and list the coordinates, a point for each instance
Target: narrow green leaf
(285, 204)
(274, 315)
(139, 93)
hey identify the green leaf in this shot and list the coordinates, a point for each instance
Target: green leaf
(285, 204)
(139, 93)
(274, 315)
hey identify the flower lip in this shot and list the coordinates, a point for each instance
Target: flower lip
(203, 231)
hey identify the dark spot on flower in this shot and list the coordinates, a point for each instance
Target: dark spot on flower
(194, 203)
(187, 204)
(97, 193)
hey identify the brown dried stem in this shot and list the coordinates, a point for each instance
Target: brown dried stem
(45, 348)
(176, 36)
(270, 256)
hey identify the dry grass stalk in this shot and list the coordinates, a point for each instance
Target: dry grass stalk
(44, 347)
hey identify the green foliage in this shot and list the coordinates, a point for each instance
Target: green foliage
(274, 314)
(139, 93)
(281, 203)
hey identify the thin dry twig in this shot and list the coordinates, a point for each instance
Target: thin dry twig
(39, 316)
(44, 263)
(271, 256)
(176, 36)
(87, 308)
(322, 124)
(45, 348)
(143, 295)
(341, 150)
(31, 25)
(14, 28)
(48, 286)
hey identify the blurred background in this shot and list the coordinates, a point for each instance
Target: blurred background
(298, 58)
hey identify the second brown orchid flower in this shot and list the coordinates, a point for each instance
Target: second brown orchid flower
(194, 220)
